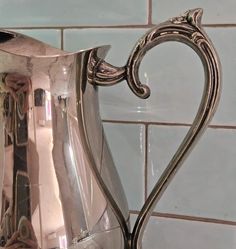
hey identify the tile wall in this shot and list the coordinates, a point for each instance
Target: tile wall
(198, 210)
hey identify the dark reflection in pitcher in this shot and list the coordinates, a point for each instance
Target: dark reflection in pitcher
(17, 205)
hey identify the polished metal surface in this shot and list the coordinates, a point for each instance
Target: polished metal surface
(52, 141)
(59, 185)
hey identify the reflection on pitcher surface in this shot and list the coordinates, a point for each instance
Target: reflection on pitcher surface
(28, 180)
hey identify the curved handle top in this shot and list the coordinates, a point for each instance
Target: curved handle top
(186, 29)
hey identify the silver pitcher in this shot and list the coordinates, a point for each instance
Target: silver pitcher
(59, 185)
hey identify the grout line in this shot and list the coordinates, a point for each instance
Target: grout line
(220, 25)
(86, 27)
(134, 212)
(149, 12)
(227, 127)
(101, 159)
(146, 163)
(49, 27)
(62, 39)
(128, 26)
(143, 122)
(189, 218)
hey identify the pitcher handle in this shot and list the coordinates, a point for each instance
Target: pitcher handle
(186, 29)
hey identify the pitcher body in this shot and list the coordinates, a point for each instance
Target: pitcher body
(51, 138)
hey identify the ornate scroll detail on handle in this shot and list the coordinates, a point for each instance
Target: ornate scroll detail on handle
(102, 73)
(186, 29)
